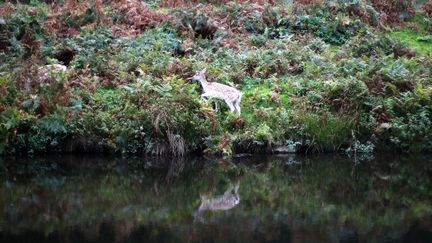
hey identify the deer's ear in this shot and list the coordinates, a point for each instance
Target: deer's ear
(203, 71)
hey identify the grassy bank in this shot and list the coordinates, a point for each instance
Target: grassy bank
(335, 76)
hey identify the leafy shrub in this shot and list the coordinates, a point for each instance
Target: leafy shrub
(386, 76)
(395, 11)
(69, 16)
(327, 131)
(268, 21)
(411, 123)
(139, 118)
(257, 40)
(88, 44)
(8, 91)
(361, 148)
(308, 2)
(151, 52)
(317, 45)
(413, 132)
(370, 45)
(135, 17)
(4, 35)
(189, 3)
(25, 27)
(427, 8)
(330, 23)
(196, 21)
(346, 94)
(91, 50)
(362, 10)
(22, 133)
(351, 66)
(282, 59)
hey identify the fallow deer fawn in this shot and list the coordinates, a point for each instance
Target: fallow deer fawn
(228, 200)
(230, 95)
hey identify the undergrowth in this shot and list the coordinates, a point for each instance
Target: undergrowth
(324, 77)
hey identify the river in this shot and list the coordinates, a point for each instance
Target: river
(291, 198)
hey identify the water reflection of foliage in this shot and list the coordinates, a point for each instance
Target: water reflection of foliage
(328, 191)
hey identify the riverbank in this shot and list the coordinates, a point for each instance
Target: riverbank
(315, 78)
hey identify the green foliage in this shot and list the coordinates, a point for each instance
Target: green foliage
(326, 132)
(150, 51)
(320, 26)
(92, 45)
(8, 90)
(87, 17)
(358, 147)
(271, 22)
(197, 22)
(25, 27)
(348, 89)
(412, 122)
(122, 120)
(24, 133)
(370, 45)
(413, 131)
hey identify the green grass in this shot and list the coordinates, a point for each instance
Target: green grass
(412, 39)
(419, 39)
(328, 130)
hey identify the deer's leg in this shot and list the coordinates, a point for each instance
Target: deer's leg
(216, 106)
(237, 107)
(236, 187)
(209, 98)
(237, 104)
(230, 105)
(206, 97)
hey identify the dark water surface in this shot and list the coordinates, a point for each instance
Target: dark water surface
(257, 199)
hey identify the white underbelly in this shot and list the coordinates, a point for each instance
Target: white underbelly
(219, 95)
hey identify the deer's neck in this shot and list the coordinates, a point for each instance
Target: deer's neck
(203, 82)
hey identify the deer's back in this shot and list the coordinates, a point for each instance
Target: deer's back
(222, 91)
(224, 202)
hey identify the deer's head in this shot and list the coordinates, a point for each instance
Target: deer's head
(199, 75)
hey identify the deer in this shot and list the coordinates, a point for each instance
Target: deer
(226, 201)
(230, 95)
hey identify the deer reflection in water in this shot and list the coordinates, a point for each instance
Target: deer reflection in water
(226, 201)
